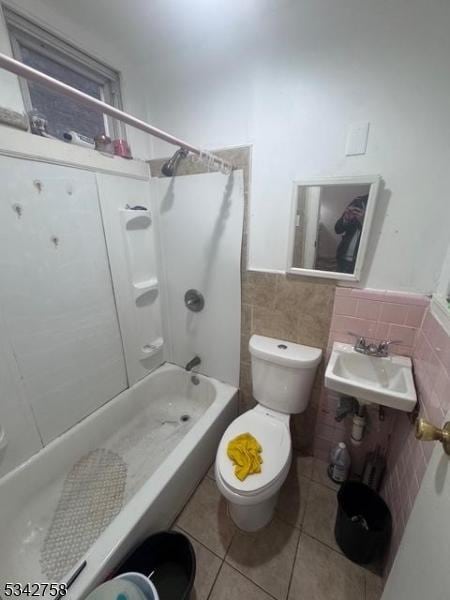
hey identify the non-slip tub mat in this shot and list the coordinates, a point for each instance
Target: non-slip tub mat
(91, 497)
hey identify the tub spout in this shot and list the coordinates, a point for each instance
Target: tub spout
(193, 363)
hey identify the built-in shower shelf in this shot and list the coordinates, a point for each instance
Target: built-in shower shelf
(145, 287)
(152, 348)
(136, 219)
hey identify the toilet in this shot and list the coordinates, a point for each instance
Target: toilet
(282, 375)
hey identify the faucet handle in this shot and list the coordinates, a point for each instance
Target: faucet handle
(360, 342)
(358, 337)
(383, 347)
(390, 342)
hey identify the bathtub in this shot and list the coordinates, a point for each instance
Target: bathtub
(159, 438)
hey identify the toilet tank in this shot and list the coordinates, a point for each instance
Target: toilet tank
(282, 373)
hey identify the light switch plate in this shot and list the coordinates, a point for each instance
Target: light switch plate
(357, 138)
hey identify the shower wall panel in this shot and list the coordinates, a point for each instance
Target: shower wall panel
(56, 293)
(200, 225)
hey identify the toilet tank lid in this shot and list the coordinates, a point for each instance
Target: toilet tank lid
(284, 353)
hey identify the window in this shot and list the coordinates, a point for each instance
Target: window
(42, 50)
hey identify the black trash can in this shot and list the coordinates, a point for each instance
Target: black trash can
(170, 558)
(363, 523)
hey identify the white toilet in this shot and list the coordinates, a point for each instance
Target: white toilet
(282, 374)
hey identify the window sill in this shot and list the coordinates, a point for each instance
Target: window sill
(440, 311)
(22, 144)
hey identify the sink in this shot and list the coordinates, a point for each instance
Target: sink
(386, 381)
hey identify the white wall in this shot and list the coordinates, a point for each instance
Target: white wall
(53, 17)
(293, 83)
(290, 77)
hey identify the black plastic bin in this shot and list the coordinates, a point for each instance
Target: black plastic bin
(363, 523)
(171, 558)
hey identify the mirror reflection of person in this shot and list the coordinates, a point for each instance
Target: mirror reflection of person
(350, 227)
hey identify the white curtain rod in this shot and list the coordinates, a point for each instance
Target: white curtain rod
(18, 68)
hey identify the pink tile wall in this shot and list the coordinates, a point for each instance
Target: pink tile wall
(378, 315)
(408, 458)
(382, 315)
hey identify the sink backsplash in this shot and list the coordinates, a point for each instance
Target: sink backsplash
(378, 315)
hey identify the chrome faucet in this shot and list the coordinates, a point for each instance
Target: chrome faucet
(383, 347)
(380, 350)
(193, 363)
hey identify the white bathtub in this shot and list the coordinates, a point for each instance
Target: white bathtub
(165, 459)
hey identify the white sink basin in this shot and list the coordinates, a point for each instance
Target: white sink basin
(386, 381)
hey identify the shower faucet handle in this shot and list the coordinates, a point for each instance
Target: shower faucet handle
(194, 300)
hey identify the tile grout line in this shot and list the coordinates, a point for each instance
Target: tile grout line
(325, 544)
(341, 554)
(300, 535)
(215, 580)
(189, 534)
(250, 580)
(293, 565)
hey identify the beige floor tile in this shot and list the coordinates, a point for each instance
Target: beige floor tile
(320, 514)
(320, 475)
(292, 500)
(208, 565)
(205, 517)
(374, 586)
(294, 492)
(322, 574)
(266, 556)
(231, 585)
(302, 465)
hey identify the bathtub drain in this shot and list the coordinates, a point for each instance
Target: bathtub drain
(185, 418)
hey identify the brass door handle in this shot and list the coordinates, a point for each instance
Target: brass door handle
(427, 432)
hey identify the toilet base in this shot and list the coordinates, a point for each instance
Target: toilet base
(254, 516)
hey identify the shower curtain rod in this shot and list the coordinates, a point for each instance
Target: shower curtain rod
(18, 68)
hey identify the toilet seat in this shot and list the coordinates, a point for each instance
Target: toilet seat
(271, 429)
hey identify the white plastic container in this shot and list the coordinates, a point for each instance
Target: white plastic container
(117, 588)
(143, 583)
(359, 423)
(340, 463)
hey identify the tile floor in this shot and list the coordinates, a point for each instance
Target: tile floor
(294, 558)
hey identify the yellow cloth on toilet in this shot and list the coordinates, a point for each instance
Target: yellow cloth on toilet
(245, 452)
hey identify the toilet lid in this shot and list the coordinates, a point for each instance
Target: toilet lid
(275, 440)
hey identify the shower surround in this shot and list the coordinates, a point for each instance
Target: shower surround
(291, 308)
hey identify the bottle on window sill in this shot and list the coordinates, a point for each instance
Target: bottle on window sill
(103, 144)
(122, 148)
